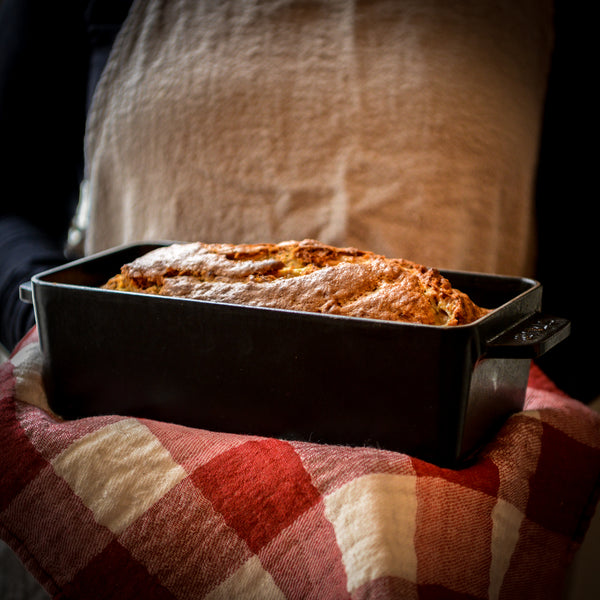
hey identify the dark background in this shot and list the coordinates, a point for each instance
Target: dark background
(566, 202)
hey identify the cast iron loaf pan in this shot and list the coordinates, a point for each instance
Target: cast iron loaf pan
(434, 392)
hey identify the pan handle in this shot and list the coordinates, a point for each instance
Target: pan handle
(529, 338)
(26, 292)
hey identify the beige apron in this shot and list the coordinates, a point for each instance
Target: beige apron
(405, 127)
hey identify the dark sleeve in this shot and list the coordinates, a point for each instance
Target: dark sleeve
(566, 194)
(43, 79)
(24, 251)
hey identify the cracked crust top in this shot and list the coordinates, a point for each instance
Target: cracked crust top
(306, 275)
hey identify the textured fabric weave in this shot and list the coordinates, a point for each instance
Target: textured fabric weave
(119, 507)
(408, 128)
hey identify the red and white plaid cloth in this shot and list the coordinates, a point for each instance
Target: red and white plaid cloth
(117, 507)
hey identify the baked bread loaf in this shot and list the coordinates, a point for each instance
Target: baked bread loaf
(306, 275)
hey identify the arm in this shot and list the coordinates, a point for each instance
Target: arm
(43, 79)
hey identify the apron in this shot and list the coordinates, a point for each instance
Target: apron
(407, 128)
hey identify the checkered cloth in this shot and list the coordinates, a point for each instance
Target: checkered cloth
(118, 507)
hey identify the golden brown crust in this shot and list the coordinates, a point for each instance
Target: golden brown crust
(306, 275)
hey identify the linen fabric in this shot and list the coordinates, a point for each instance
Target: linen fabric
(407, 128)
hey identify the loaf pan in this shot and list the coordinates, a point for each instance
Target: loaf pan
(436, 393)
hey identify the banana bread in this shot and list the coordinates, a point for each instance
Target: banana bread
(300, 275)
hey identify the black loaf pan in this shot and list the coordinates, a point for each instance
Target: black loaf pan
(436, 393)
